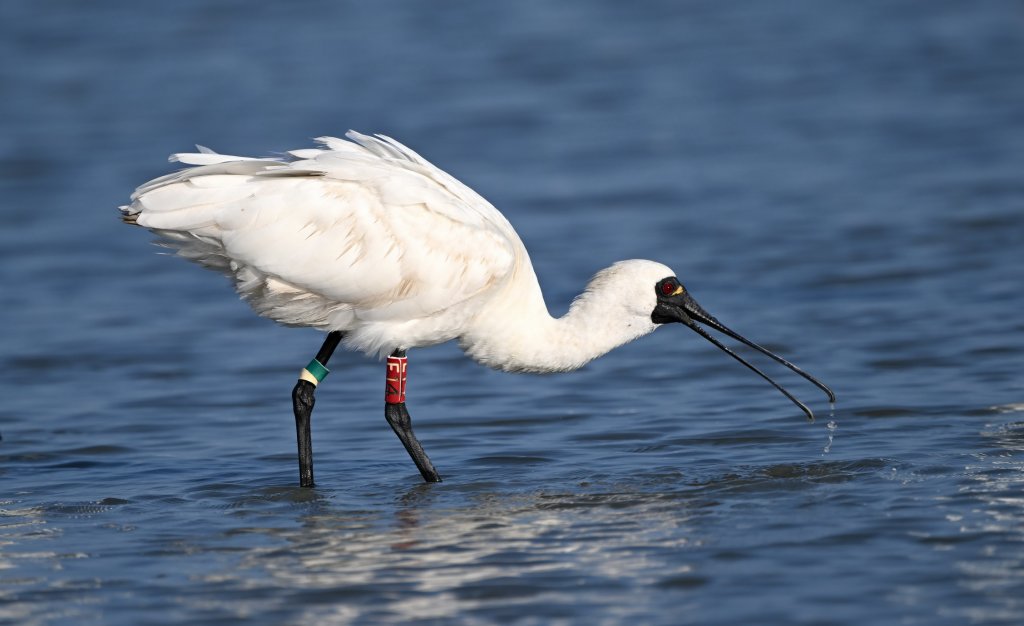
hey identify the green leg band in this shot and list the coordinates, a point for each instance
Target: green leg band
(317, 370)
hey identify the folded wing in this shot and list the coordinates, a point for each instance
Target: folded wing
(354, 232)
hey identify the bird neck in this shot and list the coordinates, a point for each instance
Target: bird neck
(524, 337)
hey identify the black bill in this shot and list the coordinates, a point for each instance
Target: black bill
(680, 307)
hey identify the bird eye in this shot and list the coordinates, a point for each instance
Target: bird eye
(668, 287)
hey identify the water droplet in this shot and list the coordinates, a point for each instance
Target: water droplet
(831, 426)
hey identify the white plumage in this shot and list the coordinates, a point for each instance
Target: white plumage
(367, 237)
(367, 240)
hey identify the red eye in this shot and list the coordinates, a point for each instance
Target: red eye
(668, 288)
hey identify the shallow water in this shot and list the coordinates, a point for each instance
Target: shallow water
(839, 181)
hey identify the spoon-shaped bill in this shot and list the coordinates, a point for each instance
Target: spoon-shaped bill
(703, 333)
(681, 307)
(695, 311)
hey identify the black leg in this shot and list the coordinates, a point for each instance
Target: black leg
(398, 416)
(302, 403)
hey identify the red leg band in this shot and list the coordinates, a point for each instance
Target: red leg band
(394, 389)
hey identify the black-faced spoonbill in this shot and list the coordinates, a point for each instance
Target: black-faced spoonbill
(368, 241)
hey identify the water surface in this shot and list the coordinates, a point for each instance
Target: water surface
(841, 182)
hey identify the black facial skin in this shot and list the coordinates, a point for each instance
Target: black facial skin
(676, 305)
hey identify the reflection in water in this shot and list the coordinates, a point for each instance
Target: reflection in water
(993, 487)
(20, 530)
(431, 562)
(624, 547)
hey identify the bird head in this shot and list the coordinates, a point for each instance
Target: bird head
(674, 304)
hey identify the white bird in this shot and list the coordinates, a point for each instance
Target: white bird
(367, 240)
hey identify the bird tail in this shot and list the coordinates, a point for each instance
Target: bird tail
(180, 207)
(129, 215)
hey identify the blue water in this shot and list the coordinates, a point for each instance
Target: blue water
(840, 181)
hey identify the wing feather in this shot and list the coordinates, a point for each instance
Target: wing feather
(361, 231)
